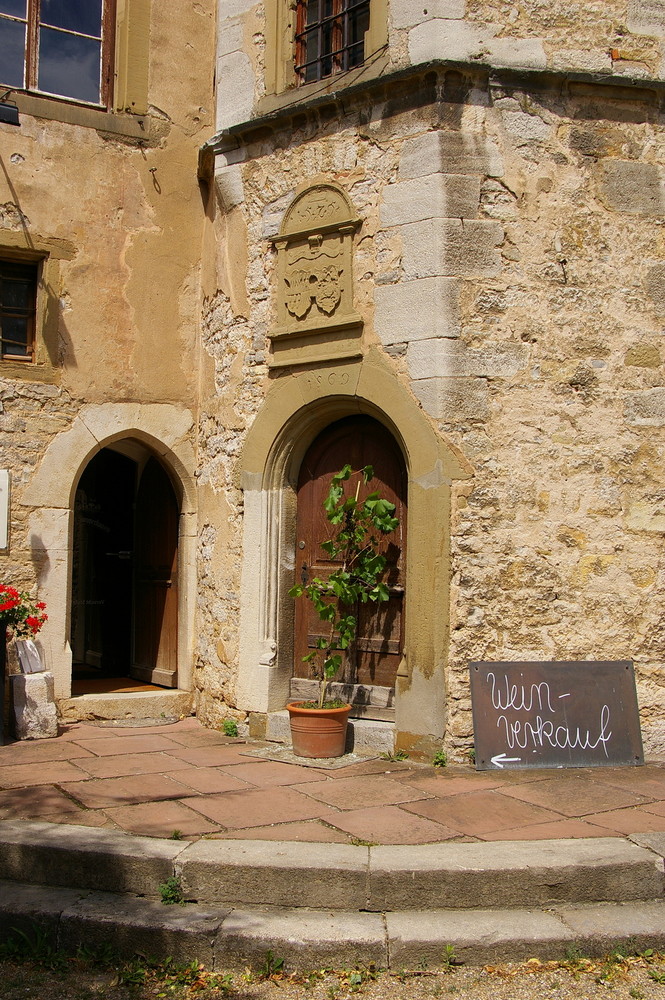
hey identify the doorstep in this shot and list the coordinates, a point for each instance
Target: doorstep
(126, 705)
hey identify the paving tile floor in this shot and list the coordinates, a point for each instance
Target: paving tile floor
(181, 780)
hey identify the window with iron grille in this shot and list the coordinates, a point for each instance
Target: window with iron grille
(18, 298)
(62, 48)
(330, 37)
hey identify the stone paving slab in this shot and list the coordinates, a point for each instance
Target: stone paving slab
(235, 785)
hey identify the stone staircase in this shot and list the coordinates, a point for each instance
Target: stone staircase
(332, 905)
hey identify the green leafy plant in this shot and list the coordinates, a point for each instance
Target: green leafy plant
(230, 727)
(271, 966)
(395, 755)
(354, 546)
(171, 891)
(449, 959)
(440, 759)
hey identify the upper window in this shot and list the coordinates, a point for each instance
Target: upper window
(330, 37)
(18, 296)
(62, 48)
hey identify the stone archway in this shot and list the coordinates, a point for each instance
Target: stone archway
(164, 430)
(296, 410)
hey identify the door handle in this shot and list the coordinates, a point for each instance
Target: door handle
(304, 573)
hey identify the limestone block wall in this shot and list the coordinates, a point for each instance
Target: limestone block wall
(510, 264)
(620, 37)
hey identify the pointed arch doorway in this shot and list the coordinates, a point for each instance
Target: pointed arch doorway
(124, 620)
(373, 662)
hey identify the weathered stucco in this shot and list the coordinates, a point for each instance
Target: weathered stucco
(114, 199)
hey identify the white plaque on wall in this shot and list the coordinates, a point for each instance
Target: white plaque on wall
(4, 508)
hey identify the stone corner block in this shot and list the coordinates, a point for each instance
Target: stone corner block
(453, 359)
(417, 310)
(454, 399)
(520, 53)
(646, 17)
(435, 196)
(407, 13)
(229, 186)
(452, 248)
(235, 89)
(450, 152)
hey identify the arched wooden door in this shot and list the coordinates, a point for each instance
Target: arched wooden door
(372, 664)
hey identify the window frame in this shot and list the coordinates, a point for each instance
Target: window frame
(31, 55)
(280, 76)
(23, 269)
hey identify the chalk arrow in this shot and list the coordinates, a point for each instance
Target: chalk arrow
(501, 759)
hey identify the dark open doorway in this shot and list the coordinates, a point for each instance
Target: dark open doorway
(124, 574)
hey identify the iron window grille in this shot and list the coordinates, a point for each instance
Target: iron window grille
(330, 37)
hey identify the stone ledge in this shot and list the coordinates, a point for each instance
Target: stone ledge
(224, 938)
(248, 872)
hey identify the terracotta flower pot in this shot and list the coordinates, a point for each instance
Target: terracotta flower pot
(318, 732)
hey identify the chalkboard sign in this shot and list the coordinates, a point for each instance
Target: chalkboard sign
(569, 714)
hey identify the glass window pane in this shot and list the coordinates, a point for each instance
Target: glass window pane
(16, 294)
(84, 16)
(12, 53)
(18, 8)
(15, 336)
(69, 66)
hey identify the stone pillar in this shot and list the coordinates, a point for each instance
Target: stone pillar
(35, 716)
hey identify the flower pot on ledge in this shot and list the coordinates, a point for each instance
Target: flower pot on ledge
(318, 732)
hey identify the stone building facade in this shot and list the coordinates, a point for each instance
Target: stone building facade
(502, 167)
(447, 228)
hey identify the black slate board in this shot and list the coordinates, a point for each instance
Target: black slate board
(567, 714)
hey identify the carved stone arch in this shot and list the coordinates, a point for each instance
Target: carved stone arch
(164, 430)
(296, 410)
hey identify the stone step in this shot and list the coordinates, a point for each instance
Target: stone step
(126, 705)
(228, 938)
(249, 873)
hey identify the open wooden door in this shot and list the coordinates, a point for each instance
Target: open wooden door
(373, 662)
(156, 579)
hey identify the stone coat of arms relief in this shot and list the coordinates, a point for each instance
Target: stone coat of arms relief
(315, 277)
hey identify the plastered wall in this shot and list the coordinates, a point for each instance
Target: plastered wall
(114, 201)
